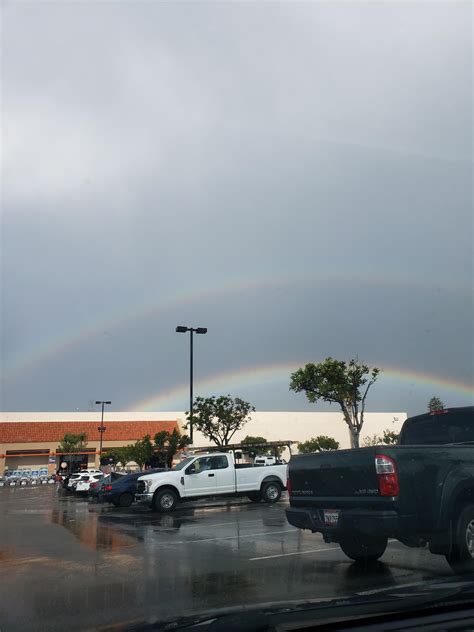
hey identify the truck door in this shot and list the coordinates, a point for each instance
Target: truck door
(199, 478)
(224, 474)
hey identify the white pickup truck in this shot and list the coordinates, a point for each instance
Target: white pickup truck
(213, 474)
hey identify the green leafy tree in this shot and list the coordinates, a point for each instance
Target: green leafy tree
(435, 404)
(320, 443)
(121, 455)
(168, 444)
(72, 444)
(373, 440)
(142, 451)
(261, 450)
(389, 438)
(338, 382)
(219, 418)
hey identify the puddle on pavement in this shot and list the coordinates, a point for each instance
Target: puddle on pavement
(89, 531)
(7, 554)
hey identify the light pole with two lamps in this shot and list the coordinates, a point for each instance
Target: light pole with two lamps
(198, 330)
(101, 428)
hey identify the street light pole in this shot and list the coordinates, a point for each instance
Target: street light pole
(198, 330)
(102, 428)
(191, 386)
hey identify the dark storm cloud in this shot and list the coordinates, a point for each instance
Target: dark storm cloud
(158, 147)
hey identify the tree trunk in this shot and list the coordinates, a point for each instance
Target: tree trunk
(354, 435)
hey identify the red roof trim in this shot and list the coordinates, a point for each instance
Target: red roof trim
(48, 432)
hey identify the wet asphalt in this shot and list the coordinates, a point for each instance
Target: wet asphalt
(67, 564)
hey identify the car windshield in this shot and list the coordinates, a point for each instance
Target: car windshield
(182, 464)
(237, 316)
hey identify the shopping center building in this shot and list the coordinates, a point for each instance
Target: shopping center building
(30, 441)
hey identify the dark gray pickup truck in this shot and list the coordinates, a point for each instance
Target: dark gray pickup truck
(420, 492)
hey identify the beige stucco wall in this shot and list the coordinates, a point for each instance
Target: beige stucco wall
(301, 426)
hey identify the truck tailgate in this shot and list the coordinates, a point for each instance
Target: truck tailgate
(342, 473)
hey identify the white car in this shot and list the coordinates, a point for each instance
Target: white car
(84, 483)
(74, 478)
(212, 474)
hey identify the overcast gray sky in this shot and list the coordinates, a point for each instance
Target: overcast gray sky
(297, 177)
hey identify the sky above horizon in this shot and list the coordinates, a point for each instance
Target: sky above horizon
(297, 177)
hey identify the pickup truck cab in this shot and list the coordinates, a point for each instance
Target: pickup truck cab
(213, 474)
(420, 492)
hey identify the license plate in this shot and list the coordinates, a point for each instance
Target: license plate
(331, 517)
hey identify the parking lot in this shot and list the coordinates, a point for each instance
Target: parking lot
(68, 564)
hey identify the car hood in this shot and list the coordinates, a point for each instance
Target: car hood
(159, 476)
(369, 608)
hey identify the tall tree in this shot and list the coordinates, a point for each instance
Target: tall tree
(168, 444)
(219, 418)
(321, 443)
(72, 444)
(435, 404)
(338, 382)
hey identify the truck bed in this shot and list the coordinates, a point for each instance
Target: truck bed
(427, 475)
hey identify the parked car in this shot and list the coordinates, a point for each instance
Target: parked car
(122, 491)
(83, 484)
(419, 492)
(213, 474)
(71, 480)
(73, 483)
(96, 486)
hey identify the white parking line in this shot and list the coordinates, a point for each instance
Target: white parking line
(230, 537)
(204, 525)
(270, 557)
(200, 525)
(332, 548)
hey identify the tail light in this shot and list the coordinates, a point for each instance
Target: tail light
(107, 488)
(288, 485)
(387, 474)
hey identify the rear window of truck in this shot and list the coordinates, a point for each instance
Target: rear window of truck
(447, 427)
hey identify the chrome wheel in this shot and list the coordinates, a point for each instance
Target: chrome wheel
(272, 492)
(461, 555)
(167, 501)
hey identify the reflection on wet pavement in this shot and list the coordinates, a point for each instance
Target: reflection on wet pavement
(75, 565)
(90, 532)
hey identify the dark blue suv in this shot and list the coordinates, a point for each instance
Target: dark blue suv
(121, 492)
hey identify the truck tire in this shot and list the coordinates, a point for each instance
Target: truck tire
(125, 499)
(165, 500)
(363, 548)
(255, 497)
(461, 557)
(271, 492)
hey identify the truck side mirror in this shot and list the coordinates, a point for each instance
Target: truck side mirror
(191, 469)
